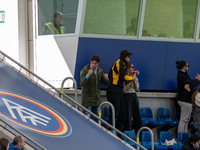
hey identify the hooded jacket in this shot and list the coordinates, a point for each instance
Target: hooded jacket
(91, 86)
(12, 147)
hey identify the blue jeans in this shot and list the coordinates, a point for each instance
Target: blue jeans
(93, 109)
(197, 129)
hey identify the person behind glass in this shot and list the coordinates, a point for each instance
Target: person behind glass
(18, 143)
(188, 31)
(184, 96)
(4, 144)
(117, 75)
(131, 100)
(196, 109)
(192, 143)
(90, 77)
(56, 26)
(132, 30)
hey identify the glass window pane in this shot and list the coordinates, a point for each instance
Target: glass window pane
(111, 17)
(170, 18)
(57, 16)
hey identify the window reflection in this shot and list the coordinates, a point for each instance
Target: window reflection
(166, 18)
(55, 26)
(169, 18)
(111, 17)
(188, 31)
(57, 16)
(132, 30)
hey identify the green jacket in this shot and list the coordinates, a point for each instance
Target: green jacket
(91, 86)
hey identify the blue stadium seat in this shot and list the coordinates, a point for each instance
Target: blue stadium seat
(112, 132)
(190, 124)
(167, 135)
(132, 135)
(146, 140)
(147, 117)
(164, 115)
(182, 137)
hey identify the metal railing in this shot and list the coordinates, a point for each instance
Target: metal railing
(62, 88)
(152, 139)
(113, 113)
(73, 101)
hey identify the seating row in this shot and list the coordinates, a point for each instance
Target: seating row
(147, 116)
(164, 117)
(164, 135)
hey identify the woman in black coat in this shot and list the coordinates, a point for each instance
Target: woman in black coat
(184, 96)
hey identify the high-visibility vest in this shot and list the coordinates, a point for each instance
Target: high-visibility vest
(53, 29)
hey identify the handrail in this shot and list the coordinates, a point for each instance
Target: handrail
(138, 134)
(62, 88)
(113, 113)
(79, 105)
(40, 146)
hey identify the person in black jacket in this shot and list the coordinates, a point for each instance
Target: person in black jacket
(184, 96)
(117, 75)
(192, 143)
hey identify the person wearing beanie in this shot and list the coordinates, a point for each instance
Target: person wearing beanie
(196, 110)
(117, 75)
(185, 90)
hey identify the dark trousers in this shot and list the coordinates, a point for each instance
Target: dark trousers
(133, 111)
(117, 100)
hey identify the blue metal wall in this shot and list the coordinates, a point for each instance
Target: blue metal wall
(154, 59)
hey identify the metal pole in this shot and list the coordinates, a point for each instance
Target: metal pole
(113, 113)
(62, 89)
(138, 134)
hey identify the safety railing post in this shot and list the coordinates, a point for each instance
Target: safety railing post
(113, 113)
(62, 88)
(152, 139)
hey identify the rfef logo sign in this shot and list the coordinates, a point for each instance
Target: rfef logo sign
(33, 115)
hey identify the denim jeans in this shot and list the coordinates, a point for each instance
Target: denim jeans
(93, 109)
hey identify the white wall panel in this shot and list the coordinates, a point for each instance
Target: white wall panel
(9, 28)
(56, 57)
